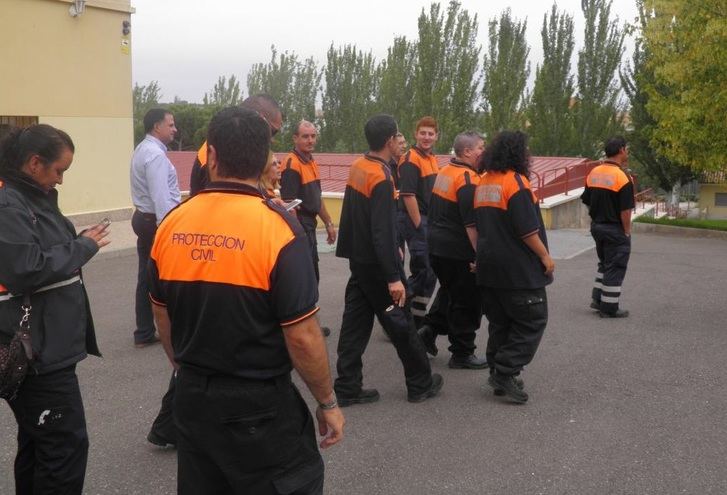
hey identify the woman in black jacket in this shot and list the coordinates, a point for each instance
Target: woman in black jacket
(41, 255)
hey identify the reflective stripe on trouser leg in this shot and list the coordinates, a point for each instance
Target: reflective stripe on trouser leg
(419, 306)
(609, 298)
(597, 287)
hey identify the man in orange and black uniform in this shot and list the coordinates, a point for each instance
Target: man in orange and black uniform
(513, 262)
(234, 294)
(368, 239)
(609, 195)
(417, 172)
(394, 167)
(457, 308)
(263, 104)
(299, 179)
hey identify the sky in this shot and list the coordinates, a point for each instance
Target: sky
(185, 45)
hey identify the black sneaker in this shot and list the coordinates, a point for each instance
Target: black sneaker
(159, 441)
(365, 396)
(326, 331)
(434, 388)
(429, 337)
(469, 362)
(508, 385)
(619, 313)
(595, 305)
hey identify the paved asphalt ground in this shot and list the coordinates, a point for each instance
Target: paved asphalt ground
(635, 406)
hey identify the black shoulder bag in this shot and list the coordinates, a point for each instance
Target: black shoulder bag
(16, 356)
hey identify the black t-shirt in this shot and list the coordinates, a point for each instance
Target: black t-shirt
(506, 212)
(232, 269)
(417, 172)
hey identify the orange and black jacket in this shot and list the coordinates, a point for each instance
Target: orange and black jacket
(417, 173)
(300, 180)
(451, 209)
(199, 178)
(367, 231)
(232, 268)
(608, 192)
(506, 212)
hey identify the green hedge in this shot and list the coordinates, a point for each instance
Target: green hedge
(686, 222)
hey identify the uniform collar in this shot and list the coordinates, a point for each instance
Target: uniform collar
(376, 159)
(421, 151)
(232, 187)
(303, 157)
(611, 162)
(460, 163)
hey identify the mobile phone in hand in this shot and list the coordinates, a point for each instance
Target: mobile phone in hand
(104, 224)
(293, 204)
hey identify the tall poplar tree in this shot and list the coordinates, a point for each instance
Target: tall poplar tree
(506, 70)
(294, 84)
(396, 82)
(446, 74)
(351, 85)
(226, 92)
(597, 111)
(549, 116)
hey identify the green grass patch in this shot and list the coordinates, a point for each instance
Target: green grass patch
(686, 222)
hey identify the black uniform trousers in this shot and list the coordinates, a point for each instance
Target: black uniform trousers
(517, 321)
(457, 308)
(163, 426)
(422, 280)
(240, 436)
(309, 224)
(367, 294)
(145, 227)
(52, 438)
(613, 248)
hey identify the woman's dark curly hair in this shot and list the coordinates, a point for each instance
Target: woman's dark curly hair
(507, 151)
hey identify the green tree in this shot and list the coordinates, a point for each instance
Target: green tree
(348, 98)
(144, 98)
(597, 114)
(635, 78)
(225, 93)
(294, 84)
(506, 70)
(687, 46)
(446, 73)
(549, 115)
(191, 121)
(396, 82)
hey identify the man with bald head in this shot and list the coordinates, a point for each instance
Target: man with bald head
(300, 180)
(265, 106)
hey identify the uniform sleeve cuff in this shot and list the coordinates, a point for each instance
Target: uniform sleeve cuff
(298, 319)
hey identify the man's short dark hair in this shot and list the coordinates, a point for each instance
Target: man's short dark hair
(614, 145)
(378, 130)
(153, 116)
(241, 139)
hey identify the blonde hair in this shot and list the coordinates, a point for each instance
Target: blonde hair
(266, 183)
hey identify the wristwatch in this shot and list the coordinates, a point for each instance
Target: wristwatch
(327, 406)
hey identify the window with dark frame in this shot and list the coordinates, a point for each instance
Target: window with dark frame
(720, 199)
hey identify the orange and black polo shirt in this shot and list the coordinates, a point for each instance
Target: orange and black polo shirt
(451, 209)
(232, 268)
(608, 192)
(506, 212)
(417, 173)
(300, 180)
(367, 232)
(199, 178)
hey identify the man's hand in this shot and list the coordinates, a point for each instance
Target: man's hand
(398, 293)
(548, 263)
(330, 426)
(97, 233)
(331, 231)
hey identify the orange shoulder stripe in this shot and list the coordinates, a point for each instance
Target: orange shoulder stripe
(607, 177)
(364, 175)
(202, 154)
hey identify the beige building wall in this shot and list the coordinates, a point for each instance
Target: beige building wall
(74, 73)
(707, 201)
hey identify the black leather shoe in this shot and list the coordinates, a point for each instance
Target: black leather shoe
(365, 396)
(160, 441)
(434, 388)
(147, 343)
(469, 362)
(326, 331)
(509, 387)
(428, 336)
(518, 381)
(619, 313)
(595, 305)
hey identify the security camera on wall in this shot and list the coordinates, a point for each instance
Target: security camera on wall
(77, 8)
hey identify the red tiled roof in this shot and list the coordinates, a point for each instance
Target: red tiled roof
(549, 172)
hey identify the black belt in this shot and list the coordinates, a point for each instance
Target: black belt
(194, 375)
(150, 216)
